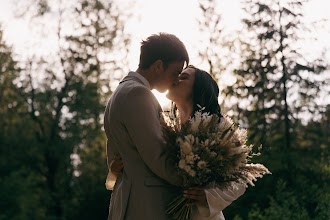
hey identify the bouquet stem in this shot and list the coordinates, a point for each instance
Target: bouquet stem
(178, 209)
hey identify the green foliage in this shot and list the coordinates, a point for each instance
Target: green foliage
(297, 192)
(272, 71)
(285, 204)
(52, 147)
(20, 179)
(53, 163)
(210, 25)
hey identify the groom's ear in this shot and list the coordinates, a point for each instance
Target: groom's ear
(158, 66)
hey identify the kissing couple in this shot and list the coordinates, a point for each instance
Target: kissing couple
(142, 175)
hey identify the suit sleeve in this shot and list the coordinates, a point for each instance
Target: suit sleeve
(218, 199)
(141, 118)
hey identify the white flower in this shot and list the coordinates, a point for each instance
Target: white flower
(225, 123)
(241, 135)
(200, 107)
(186, 148)
(207, 170)
(212, 143)
(205, 115)
(207, 119)
(192, 173)
(194, 127)
(206, 143)
(195, 121)
(201, 164)
(187, 168)
(198, 115)
(182, 163)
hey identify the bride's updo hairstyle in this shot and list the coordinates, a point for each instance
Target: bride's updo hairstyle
(205, 93)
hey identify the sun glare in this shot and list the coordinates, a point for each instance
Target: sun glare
(164, 102)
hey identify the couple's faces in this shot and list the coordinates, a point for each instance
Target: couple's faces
(169, 76)
(183, 90)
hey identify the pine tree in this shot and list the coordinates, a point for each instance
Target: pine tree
(276, 86)
(65, 97)
(20, 169)
(273, 71)
(212, 38)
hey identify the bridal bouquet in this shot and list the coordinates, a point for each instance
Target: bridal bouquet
(209, 152)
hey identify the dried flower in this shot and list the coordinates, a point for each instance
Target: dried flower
(210, 152)
(187, 168)
(201, 164)
(182, 164)
(213, 154)
(179, 140)
(194, 127)
(192, 173)
(190, 138)
(186, 148)
(190, 158)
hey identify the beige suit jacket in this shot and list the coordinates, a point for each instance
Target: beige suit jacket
(132, 126)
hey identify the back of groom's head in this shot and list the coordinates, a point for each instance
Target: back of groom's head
(165, 47)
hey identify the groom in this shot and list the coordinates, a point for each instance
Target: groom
(132, 126)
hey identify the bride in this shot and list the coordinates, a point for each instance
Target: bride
(196, 88)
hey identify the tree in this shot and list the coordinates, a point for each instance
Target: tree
(94, 53)
(213, 42)
(276, 86)
(20, 165)
(64, 98)
(275, 70)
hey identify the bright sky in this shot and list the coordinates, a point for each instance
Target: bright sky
(173, 16)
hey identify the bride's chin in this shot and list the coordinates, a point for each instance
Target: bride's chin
(170, 96)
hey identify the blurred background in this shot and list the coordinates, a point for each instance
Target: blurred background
(61, 60)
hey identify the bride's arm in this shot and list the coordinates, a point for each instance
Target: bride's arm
(218, 199)
(115, 169)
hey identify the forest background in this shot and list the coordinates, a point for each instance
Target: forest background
(60, 61)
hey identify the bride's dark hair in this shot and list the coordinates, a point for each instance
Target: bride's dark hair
(205, 93)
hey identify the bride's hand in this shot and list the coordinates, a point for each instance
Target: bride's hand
(197, 194)
(117, 166)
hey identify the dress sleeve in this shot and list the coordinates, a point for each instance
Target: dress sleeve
(218, 199)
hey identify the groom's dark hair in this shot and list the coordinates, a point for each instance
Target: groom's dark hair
(165, 47)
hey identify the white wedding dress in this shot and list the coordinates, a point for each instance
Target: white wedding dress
(217, 201)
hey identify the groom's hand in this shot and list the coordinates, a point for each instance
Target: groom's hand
(197, 194)
(117, 166)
